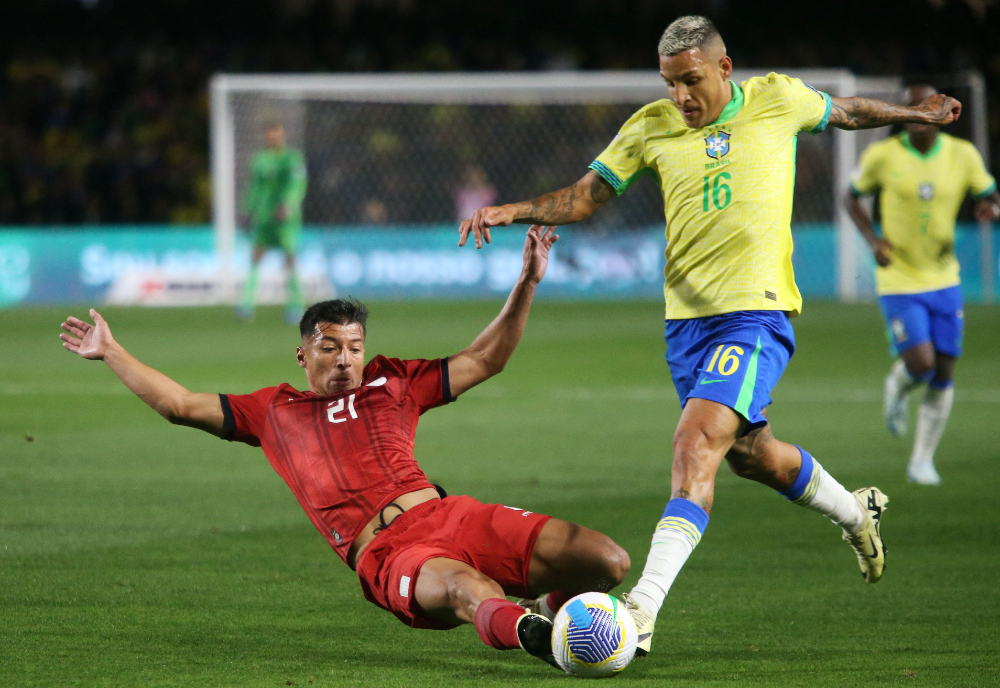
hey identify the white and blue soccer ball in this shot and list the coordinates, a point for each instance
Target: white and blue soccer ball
(593, 636)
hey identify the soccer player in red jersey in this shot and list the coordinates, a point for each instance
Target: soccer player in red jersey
(345, 448)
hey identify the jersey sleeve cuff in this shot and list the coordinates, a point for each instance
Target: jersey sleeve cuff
(856, 192)
(826, 115)
(986, 192)
(445, 383)
(616, 182)
(228, 420)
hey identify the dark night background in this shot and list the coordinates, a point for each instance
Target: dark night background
(103, 104)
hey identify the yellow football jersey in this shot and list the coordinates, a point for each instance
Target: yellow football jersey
(727, 194)
(920, 195)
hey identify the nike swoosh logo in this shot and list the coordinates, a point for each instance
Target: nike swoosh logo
(708, 382)
(643, 636)
(377, 383)
(874, 548)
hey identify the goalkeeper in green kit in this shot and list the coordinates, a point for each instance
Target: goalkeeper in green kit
(274, 205)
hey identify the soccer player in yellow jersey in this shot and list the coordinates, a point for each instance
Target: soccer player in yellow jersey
(724, 155)
(922, 177)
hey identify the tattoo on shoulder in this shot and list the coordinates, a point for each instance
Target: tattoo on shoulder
(600, 190)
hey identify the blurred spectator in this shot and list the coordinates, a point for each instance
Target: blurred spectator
(474, 192)
(104, 103)
(374, 212)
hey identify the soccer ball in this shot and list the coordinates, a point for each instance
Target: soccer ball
(593, 636)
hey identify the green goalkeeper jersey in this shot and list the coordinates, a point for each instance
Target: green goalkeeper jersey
(277, 178)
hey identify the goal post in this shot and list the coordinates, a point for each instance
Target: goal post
(365, 136)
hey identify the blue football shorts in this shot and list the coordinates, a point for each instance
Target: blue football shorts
(930, 316)
(734, 359)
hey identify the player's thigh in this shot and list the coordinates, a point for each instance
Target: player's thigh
(288, 238)
(450, 590)
(265, 236)
(947, 321)
(709, 424)
(575, 558)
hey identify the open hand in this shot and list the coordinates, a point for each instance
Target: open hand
(481, 221)
(882, 251)
(89, 341)
(536, 251)
(940, 109)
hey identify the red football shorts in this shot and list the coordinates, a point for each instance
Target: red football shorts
(493, 539)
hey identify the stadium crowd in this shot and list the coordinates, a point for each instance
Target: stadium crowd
(104, 110)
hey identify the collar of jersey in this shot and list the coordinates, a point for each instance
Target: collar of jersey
(732, 107)
(935, 148)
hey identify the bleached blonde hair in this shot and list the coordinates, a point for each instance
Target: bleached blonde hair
(684, 33)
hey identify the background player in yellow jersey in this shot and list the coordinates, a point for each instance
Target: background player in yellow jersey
(922, 177)
(724, 156)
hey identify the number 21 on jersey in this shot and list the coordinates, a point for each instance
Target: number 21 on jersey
(335, 407)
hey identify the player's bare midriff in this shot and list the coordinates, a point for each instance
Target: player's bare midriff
(379, 521)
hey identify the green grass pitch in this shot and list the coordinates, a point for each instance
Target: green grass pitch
(133, 553)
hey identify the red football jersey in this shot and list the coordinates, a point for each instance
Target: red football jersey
(346, 455)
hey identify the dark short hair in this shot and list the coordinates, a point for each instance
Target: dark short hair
(337, 311)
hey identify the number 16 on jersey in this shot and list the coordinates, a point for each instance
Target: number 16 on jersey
(721, 195)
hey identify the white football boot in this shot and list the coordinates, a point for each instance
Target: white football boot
(896, 400)
(923, 474)
(538, 606)
(644, 622)
(867, 541)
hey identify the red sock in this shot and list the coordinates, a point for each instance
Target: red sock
(496, 623)
(556, 599)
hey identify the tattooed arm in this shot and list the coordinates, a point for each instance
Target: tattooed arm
(868, 113)
(572, 204)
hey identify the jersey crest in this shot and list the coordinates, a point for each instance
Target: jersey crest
(717, 144)
(926, 191)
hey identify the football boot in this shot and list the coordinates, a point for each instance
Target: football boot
(867, 540)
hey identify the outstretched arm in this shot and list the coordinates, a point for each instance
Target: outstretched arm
(868, 113)
(880, 246)
(562, 207)
(491, 350)
(163, 395)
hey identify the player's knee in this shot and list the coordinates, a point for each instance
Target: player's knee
(749, 457)
(463, 590)
(690, 445)
(615, 565)
(747, 465)
(920, 366)
(943, 372)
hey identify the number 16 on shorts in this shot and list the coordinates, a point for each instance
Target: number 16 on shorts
(724, 362)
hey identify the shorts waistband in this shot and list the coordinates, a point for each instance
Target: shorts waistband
(398, 525)
(405, 519)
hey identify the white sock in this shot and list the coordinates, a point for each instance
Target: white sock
(905, 382)
(675, 537)
(666, 557)
(931, 420)
(815, 489)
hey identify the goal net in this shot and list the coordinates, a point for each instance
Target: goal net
(395, 152)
